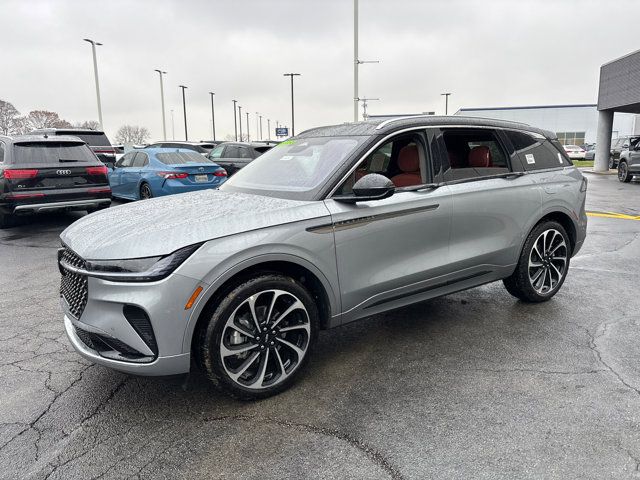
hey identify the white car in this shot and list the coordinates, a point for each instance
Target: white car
(574, 152)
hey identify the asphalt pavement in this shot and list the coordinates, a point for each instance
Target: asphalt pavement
(472, 385)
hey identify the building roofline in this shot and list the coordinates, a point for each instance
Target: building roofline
(529, 107)
(620, 58)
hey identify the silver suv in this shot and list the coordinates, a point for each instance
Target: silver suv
(334, 225)
(629, 164)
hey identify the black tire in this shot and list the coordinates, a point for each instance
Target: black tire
(145, 192)
(520, 284)
(209, 338)
(623, 172)
(6, 220)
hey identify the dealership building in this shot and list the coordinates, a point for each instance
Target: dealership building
(574, 124)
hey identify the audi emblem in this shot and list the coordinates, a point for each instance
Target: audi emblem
(63, 172)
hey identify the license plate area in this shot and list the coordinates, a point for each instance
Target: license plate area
(201, 178)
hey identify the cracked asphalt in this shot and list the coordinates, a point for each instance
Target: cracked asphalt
(472, 385)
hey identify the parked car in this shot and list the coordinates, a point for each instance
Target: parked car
(574, 152)
(235, 155)
(336, 224)
(154, 172)
(200, 147)
(618, 146)
(590, 154)
(629, 162)
(43, 173)
(96, 139)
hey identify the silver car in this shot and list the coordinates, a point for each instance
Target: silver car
(336, 224)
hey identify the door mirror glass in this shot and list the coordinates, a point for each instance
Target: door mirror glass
(370, 187)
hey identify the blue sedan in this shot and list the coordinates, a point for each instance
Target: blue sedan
(153, 172)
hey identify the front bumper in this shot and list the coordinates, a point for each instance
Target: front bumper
(103, 317)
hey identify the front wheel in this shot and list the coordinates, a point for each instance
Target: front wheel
(623, 172)
(258, 338)
(543, 264)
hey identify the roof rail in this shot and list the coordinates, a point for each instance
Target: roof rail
(391, 120)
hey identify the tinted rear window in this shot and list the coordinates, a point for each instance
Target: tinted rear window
(93, 139)
(537, 153)
(179, 158)
(52, 152)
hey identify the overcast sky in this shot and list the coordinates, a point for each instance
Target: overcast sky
(486, 52)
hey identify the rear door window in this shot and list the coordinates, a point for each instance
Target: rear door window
(52, 152)
(472, 153)
(536, 152)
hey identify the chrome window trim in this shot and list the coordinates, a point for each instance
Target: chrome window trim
(410, 129)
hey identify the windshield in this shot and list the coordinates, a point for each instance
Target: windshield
(297, 166)
(178, 158)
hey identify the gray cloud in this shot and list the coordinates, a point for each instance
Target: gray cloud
(488, 53)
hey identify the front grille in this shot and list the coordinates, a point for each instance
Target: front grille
(73, 287)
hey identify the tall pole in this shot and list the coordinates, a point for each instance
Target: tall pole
(184, 108)
(95, 73)
(257, 126)
(355, 60)
(235, 121)
(268, 129)
(173, 128)
(213, 117)
(248, 134)
(293, 124)
(240, 122)
(446, 102)
(164, 125)
(260, 127)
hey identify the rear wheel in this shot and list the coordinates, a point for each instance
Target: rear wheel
(623, 172)
(259, 337)
(145, 191)
(543, 264)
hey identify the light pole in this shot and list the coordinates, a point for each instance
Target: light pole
(268, 129)
(248, 134)
(446, 102)
(95, 73)
(213, 117)
(293, 125)
(173, 127)
(257, 127)
(184, 108)
(240, 122)
(260, 127)
(356, 61)
(164, 125)
(235, 121)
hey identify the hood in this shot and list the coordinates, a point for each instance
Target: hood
(162, 225)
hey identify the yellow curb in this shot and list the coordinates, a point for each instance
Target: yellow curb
(622, 216)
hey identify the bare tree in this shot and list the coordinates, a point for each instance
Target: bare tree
(90, 124)
(132, 134)
(45, 119)
(9, 116)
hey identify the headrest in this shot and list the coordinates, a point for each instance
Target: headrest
(480, 157)
(408, 159)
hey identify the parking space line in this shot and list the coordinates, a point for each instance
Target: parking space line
(622, 216)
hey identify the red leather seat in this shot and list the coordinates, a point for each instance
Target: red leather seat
(480, 157)
(409, 164)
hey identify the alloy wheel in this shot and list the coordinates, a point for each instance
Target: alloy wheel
(265, 339)
(547, 261)
(145, 192)
(622, 171)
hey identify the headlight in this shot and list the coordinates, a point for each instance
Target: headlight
(146, 269)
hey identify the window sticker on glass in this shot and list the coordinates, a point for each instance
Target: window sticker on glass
(530, 158)
(560, 159)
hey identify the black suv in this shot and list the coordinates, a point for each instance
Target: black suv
(95, 139)
(41, 173)
(232, 156)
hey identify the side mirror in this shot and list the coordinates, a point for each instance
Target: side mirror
(370, 187)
